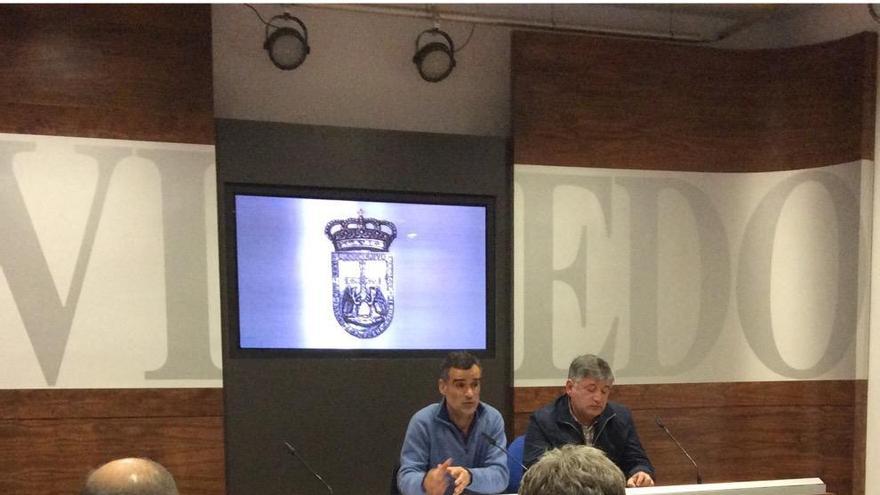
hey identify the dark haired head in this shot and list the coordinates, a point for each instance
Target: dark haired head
(460, 360)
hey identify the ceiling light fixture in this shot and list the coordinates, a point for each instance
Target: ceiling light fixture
(287, 45)
(436, 59)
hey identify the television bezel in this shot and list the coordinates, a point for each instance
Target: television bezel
(231, 294)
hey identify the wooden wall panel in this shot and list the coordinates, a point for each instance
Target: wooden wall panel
(140, 72)
(52, 438)
(738, 431)
(134, 72)
(600, 102)
(860, 432)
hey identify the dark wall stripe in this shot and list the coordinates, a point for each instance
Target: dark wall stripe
(600, 102)
(348, 415)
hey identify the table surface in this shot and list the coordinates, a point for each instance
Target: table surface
(797, 486)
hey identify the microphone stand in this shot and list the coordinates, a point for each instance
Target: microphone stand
(663, 427)
(304, 463)
(495, 444)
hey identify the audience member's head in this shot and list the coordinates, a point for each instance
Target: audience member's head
(130, 477)
(573, 470)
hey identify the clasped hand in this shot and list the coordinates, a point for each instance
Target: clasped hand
(438, 478)
(641, 478)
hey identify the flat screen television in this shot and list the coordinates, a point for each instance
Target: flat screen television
(313, 271)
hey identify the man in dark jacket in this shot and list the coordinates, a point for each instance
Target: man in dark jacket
(584, 416)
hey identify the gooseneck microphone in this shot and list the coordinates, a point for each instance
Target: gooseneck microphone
(495, 444)
(304, 463)
(661, 425)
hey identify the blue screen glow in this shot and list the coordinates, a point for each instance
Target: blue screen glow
(296, 290)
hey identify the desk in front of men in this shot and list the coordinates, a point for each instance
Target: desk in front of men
(798, 486)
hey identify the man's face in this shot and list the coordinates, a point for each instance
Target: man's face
(462, 390)
(588, 397)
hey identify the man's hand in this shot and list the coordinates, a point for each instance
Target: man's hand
(435, 482)
(641, 478)
(461, 477)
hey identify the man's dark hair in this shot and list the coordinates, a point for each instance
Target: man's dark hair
(460, 360)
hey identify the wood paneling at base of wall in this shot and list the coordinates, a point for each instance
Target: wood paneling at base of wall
(739, 431)
(51, 439)
(860, 432)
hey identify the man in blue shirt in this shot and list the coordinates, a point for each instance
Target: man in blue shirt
(445, 450)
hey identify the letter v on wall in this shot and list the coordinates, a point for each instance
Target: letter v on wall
(47, 319)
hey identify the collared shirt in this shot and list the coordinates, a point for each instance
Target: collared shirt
(443, 414)
(588, 430)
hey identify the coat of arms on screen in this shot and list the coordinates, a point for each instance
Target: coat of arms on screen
(363, 274)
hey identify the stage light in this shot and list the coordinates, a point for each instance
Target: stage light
(287, 45)
(436, 59)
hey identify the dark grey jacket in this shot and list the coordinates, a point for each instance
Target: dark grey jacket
(553, 426)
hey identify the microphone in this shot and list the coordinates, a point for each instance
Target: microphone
(661, 425)
(495, 444)
(303, 461)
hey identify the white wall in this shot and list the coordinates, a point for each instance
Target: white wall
(720, 287)
(104, 239)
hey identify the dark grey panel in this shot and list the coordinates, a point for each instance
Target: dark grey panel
(347, 416)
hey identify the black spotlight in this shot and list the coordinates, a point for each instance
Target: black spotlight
(287, 46)
(436, 59)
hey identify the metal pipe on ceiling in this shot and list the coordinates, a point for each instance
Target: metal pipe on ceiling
(437, 14)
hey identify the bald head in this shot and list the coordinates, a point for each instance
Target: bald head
(130, 477)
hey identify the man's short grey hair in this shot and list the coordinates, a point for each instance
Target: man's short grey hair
(143, 477)
(573, 470)
(590, 366)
